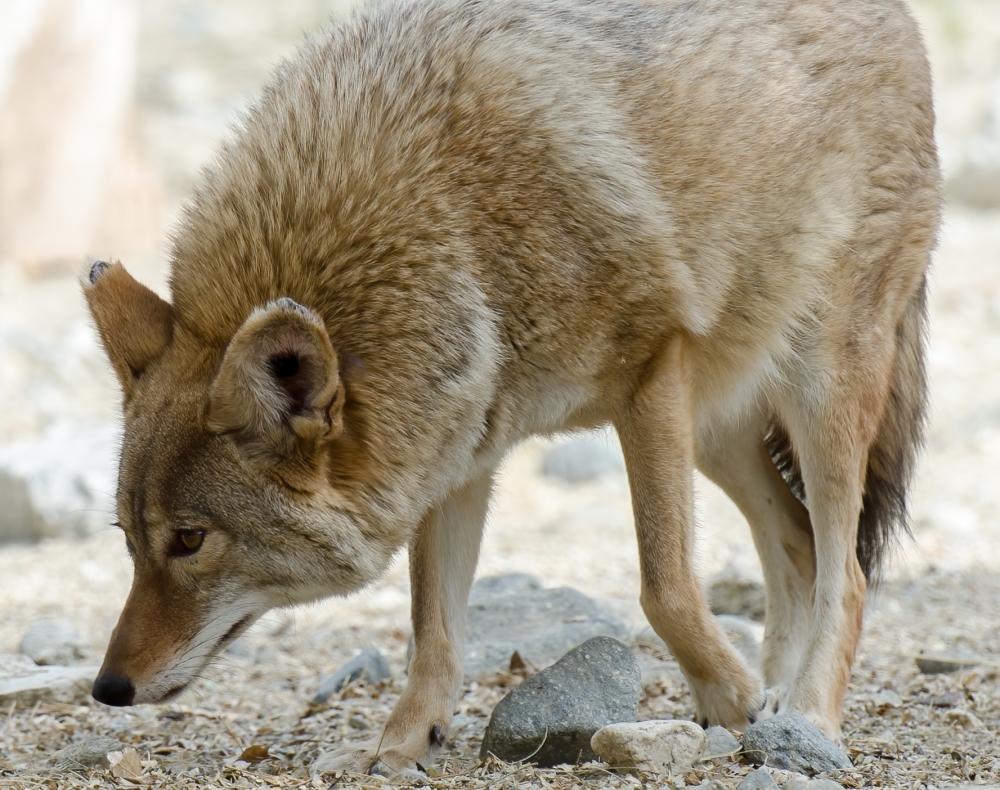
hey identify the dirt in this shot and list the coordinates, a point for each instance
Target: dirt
(198, 65)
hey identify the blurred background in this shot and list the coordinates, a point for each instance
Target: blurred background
(108, 110)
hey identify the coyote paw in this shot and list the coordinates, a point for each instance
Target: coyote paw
(774, 699)
(368, 758)
(777, 701)
(726, 706)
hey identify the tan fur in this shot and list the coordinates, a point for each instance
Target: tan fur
(450, 225)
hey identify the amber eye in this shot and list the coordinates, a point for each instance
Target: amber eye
(187, 541)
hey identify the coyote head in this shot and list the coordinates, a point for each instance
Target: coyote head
(224, 491)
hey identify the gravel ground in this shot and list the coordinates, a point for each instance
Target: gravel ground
(198, 64)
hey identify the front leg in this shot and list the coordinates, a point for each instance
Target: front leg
(443, 558)
(656, 429)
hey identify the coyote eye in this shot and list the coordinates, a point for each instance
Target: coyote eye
(187, 541)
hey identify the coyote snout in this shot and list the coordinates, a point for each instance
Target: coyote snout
(449, 225)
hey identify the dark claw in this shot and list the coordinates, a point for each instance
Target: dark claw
(437, 736)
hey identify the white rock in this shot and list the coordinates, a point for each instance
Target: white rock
(887, 698)
(966, 718)
(18, 520)
(53, 642)
(23, 682)
(68, 477)
(660, 746)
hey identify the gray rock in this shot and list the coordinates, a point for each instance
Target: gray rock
(943, 664)
(60, 484)
(658, 746)
(23, 682)
(89, 753)
(736, 591)
(551, 717)
(757, 780)
(656, 670)
(792, 743)
(720, 743)
(368, 665)
(19, 523)
(585, 457)
(53, 642)
(745, 635)
(514, 613)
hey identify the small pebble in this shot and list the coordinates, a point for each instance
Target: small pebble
(887, 698)
(89, 753)
(757, 780)
(944, 664)
(368, 665)
(659, 746)
(965, 718)
(951, 699)
(720, 743)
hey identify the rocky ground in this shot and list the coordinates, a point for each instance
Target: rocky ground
(902, 728)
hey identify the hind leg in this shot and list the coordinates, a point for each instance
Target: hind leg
(831, 431)
(739, 463)
(656, 432)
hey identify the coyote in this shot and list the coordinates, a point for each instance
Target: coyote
(449, 225)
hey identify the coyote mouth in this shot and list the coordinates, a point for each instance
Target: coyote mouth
(172, 693)
(234, 631)
(237, 628)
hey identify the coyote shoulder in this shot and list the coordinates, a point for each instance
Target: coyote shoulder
(448, 225)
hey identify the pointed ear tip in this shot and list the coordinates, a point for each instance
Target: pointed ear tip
(289, 306)
(97, 271)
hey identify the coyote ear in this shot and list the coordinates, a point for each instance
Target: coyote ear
(278, 390)
(135, 324)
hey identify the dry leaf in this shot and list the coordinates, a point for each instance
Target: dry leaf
(516, 662)
(254, 754)
(126, 764)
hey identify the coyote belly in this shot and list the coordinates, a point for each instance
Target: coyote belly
(450, 225)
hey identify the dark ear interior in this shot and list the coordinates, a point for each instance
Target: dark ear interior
(135, 324)
(278, 389)
(296, 375)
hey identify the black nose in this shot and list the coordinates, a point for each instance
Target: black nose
(114, 690)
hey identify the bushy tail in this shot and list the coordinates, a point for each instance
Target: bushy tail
(892, 457)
